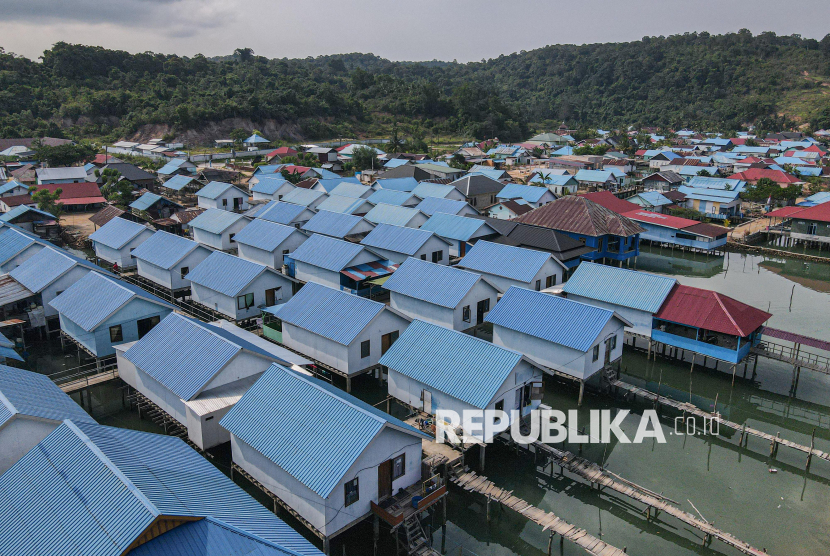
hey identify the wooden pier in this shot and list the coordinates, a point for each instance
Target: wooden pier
(470, 481)
(746, 432)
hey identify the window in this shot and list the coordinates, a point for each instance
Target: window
(500, 405)
(474, 203)
(184, 271)
(612, 343)
(365, 349)
(537, 391)
(279, 197)
(538, 285)
(398, 467)
(596, 353)
(424, 257)
(131, 252)
(237, 203)
(387, 340)
(813, 229)
(230, 237)
(116, 334)
(245, 301)
(285, 251)
(465, 313)
(145, 325)
(352, 492)
(224, 202)
(437, 256)
(550, 281)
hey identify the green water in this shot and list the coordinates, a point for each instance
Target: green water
(787, 512)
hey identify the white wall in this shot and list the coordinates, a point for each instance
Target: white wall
(227, 196)
(443, 316)
(62, 284)
(273, 258)
(228, 305)
(640, 319)
(172, 278)
(122, 256)
(21, 434)
(311, 273)
(220, 241)
(550, 268)
(385, 322)
(20, 258)
(432, 245)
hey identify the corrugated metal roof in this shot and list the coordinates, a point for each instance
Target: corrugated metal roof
(46, 266)
(35, 395)
(391, 214)
(11, 290)
(374, 269)
(529, 193)
(549, 317)
(459, 365)
(438, 190)
(434, 283)
(215, 221)
(61, 173)
(264, 234)
(515, 263)
(345, 205)
(89, 489)
(333, 314)
(20, 210)
(348, 189)
(333, 223)
(268, 185)
(279, 212)
(184, 354)
(95, 297)
(398, 184)
(12, 242)
(177, 183)
(711, 311)
(460, 228)
(214, 189)
(391, 197)
(316, 442)
(147, 200)
(302, 197)
(117, 233)
(579, 215)
(327, 252)
(431, 205)
(164, 249)
(330, 183)
(397, 238)
(225, 273)
(11, 186)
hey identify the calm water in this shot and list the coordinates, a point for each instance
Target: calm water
(785, 512)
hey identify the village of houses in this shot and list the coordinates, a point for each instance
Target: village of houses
(245, 302)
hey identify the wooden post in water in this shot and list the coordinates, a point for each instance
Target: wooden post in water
(734, 369)
(550, 544)
(581, 392)
(812, 445)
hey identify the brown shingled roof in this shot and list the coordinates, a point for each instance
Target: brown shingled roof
(579, 215)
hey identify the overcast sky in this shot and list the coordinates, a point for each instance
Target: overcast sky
(416, 30)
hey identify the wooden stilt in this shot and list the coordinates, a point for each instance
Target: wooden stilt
(581, 392)
(812, 446)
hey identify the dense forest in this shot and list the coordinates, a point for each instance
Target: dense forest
(718, 81)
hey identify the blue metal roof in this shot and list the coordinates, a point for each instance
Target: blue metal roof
(46, 266)
(619, 286)
(303, 197)
(330, 183)
(316, 442)
(550, 179)
(105, 486)
(12, 242)
(397, 238)
(333, 223)
(215, 221)
(170, 167)
(256, 138)
(391, 214)
(264, 234)
(333, 314)
(598, 176)
(279, 212)
(268, 169)
(491, 173)
(717, 183)
(457, 364)
(427, 189)
(653, 198)
(117, 233)
(390, 197)
(456, 227)
(529, 193)
(434, 283)
(431, 205)
(507, 261)
(398, 184)
(165, 250)
(35, 395)
(395, 162)
(214, 189)
(344, 205)
(146, 201)
(11, 185)
(325, 174)
(268, 185)
(706, 194)
(327, 252)
(184, 354)
(550, 317)
(817, 198)
(20, 210)
(95, 297)
(225, 273)
(348, 189)
(177, 183)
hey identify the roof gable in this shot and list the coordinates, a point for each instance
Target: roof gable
(225, 273)
(434, 283)
(35, 395)
(264, 234)
(397, 238)
(117, 233)
(164, 249)
(628, 288)
(327, 252)
(515, 263)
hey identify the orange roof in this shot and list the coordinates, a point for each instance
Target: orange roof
(610, 201)
(755, 174)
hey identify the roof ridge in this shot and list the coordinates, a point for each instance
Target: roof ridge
(726, 311)
(9, 405)
(304, 379)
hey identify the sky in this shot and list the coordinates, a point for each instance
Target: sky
(417, 30)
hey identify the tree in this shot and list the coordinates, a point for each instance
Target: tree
(243, 54)
(63, 155)
(766, 188)
(48, 201)
(292, 177)
(238, 135)
(704, 173)
(365, 158)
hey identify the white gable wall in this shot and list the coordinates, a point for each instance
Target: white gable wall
(21, 434)
(273, 258)
(641, 320)
(225, 200)
(20, 258)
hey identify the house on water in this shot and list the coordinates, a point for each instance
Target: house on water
(236, 287)
(397, 243)
(99, 312)
(31, 406)
(461, 231)
(221, 195)
(124, 491)
(195, 372)
(346, 333)
(115, 241)
(443, 295)
(266, 242)
(329, 459)
(666, 229)
(217, 228)
(506, 265)
(338, 225)
(165, 259)
(564, 337)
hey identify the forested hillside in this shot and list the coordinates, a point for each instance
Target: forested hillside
(717, 81)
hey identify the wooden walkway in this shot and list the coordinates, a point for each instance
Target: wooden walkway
(819, 365)
(745, 431)
(470, 481)
(90, 380)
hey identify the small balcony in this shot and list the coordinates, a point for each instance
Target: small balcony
(415, 499)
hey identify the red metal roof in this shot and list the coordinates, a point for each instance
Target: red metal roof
(711, 311)
(610, 201)
(16, 200)
(282, 151)
(795, 338)
(580, 215)
(667, 220)
(755, 174)
(818, 213)
(73, 190)
(784, 212)
(294, 169)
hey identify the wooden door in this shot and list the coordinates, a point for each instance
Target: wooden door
(384, 479)
(272, 296)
